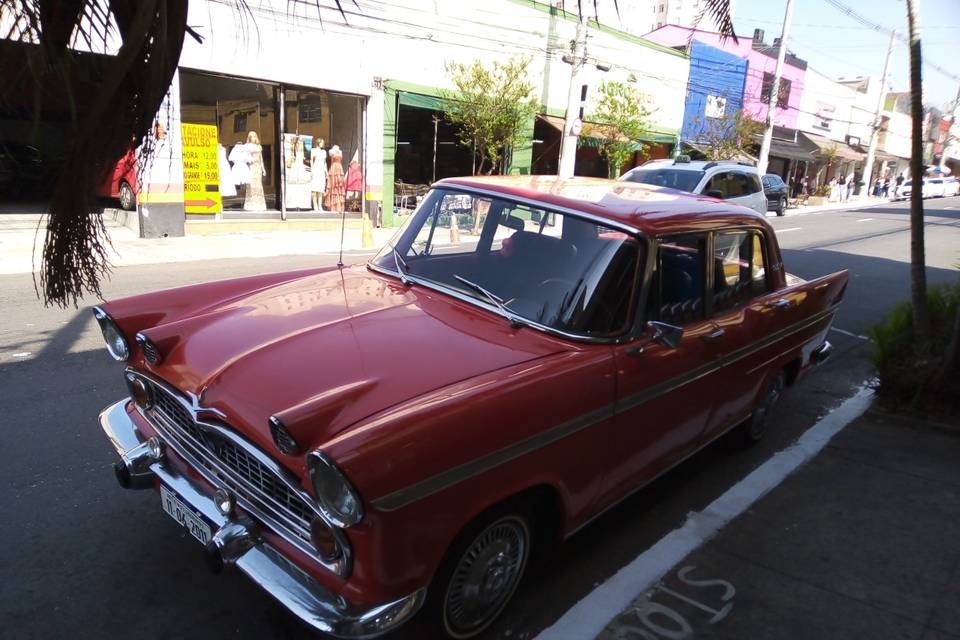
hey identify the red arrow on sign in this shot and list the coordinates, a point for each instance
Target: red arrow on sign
(200, 203)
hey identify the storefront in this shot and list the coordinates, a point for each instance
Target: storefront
(253, 148)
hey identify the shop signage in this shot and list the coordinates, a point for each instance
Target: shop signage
(576, 127)
(201, 176)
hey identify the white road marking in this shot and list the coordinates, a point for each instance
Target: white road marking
(788, 229)
(850, 333)
(587, 618)
(22, 354)
(864, 219)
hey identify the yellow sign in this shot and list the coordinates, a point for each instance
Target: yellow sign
(201, 175)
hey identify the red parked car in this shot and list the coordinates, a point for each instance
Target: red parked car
(122, 184)
(364, 442)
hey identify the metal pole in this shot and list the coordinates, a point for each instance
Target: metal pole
(875, 126)
(434, 178)
(568, 144)
(775, 91)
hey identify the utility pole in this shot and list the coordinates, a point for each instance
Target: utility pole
(571, 126)
(875, 126)
(775, 90)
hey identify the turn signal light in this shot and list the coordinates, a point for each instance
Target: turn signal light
(323, 540)
(139, 391)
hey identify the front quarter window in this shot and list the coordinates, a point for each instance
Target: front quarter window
(540, 267)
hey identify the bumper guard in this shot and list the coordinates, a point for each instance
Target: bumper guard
(237, 542)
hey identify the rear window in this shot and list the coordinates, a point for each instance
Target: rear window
(682, 180)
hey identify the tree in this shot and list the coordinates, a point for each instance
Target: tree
(728, 136)
(491, 106)
(133, 86)
(918, 269)
(618, 123)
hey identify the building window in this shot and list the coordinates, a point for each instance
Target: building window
(716, 106)
(783, 96)
(824, 115)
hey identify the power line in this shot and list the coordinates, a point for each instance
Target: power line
(853, 15)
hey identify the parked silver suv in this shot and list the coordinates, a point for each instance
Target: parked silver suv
(735, 182)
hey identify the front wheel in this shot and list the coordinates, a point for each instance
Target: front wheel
(480, 575)
(782, 206)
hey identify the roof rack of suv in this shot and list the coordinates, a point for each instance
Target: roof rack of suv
(719, 162)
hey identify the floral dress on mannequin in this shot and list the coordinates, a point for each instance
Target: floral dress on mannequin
(336, 184)
(254, 200)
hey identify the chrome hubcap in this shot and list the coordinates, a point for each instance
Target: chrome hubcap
(486, 576)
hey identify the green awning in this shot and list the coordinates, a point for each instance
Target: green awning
(421, 101)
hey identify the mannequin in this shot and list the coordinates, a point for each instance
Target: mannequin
(297, 176)
(354, 181)
(318, 182)
(240, 171)
(336, 185)
(227, 188)
(254, 200)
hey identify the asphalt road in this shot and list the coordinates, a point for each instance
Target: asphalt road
(82, 558)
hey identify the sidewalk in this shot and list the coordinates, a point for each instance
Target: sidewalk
(21, 247)
(836, 206)
(862, 542)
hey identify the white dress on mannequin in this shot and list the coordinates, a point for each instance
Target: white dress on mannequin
(318, 164)
(227, 187)
(240, 157)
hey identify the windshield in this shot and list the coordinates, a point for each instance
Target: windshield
(680, 179)
(532, 265)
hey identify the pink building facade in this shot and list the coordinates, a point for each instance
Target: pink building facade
(761, 60)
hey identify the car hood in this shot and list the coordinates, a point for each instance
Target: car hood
(325, 350)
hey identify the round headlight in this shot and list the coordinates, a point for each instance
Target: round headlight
(116, 343)
(335, 496)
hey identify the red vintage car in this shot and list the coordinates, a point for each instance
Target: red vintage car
(122, 183)
(367, 441)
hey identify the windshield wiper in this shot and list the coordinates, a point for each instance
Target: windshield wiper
(505, 311)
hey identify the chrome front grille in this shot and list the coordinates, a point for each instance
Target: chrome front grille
(233, 466)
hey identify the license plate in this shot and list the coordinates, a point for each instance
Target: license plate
(183, 514)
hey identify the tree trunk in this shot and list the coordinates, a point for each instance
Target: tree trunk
(918, 273)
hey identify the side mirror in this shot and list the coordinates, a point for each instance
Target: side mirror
(660, 332)
(714, 193)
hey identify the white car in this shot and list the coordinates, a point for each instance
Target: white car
(951, 187)
(934, 188)
(904, 190)
(728, 180)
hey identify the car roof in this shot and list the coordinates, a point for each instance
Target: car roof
(695, 165)
(649, 209)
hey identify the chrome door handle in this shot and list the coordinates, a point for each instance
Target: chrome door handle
(716, 333)
(782, 303)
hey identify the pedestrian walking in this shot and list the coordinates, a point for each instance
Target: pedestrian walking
(842, 189)
(877, 187)
(886, 187)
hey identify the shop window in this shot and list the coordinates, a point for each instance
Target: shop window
(259, 148)
(244, 114)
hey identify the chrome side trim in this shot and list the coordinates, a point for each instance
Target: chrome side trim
(320, 608)
(277, 520)
(444, 479)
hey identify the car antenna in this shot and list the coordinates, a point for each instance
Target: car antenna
(343, 223)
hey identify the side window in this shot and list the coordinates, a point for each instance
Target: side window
(717, 184)
(739, 271)
(677, 297)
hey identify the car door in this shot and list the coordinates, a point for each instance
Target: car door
(663, 394)
(747, 315)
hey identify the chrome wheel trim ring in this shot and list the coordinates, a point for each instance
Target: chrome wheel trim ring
(486, 577)
(127, 199)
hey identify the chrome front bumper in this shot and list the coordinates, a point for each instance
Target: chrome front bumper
(142, 462)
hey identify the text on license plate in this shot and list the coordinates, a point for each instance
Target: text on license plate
(183, 514)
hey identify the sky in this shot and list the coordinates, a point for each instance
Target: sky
(837, 46)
